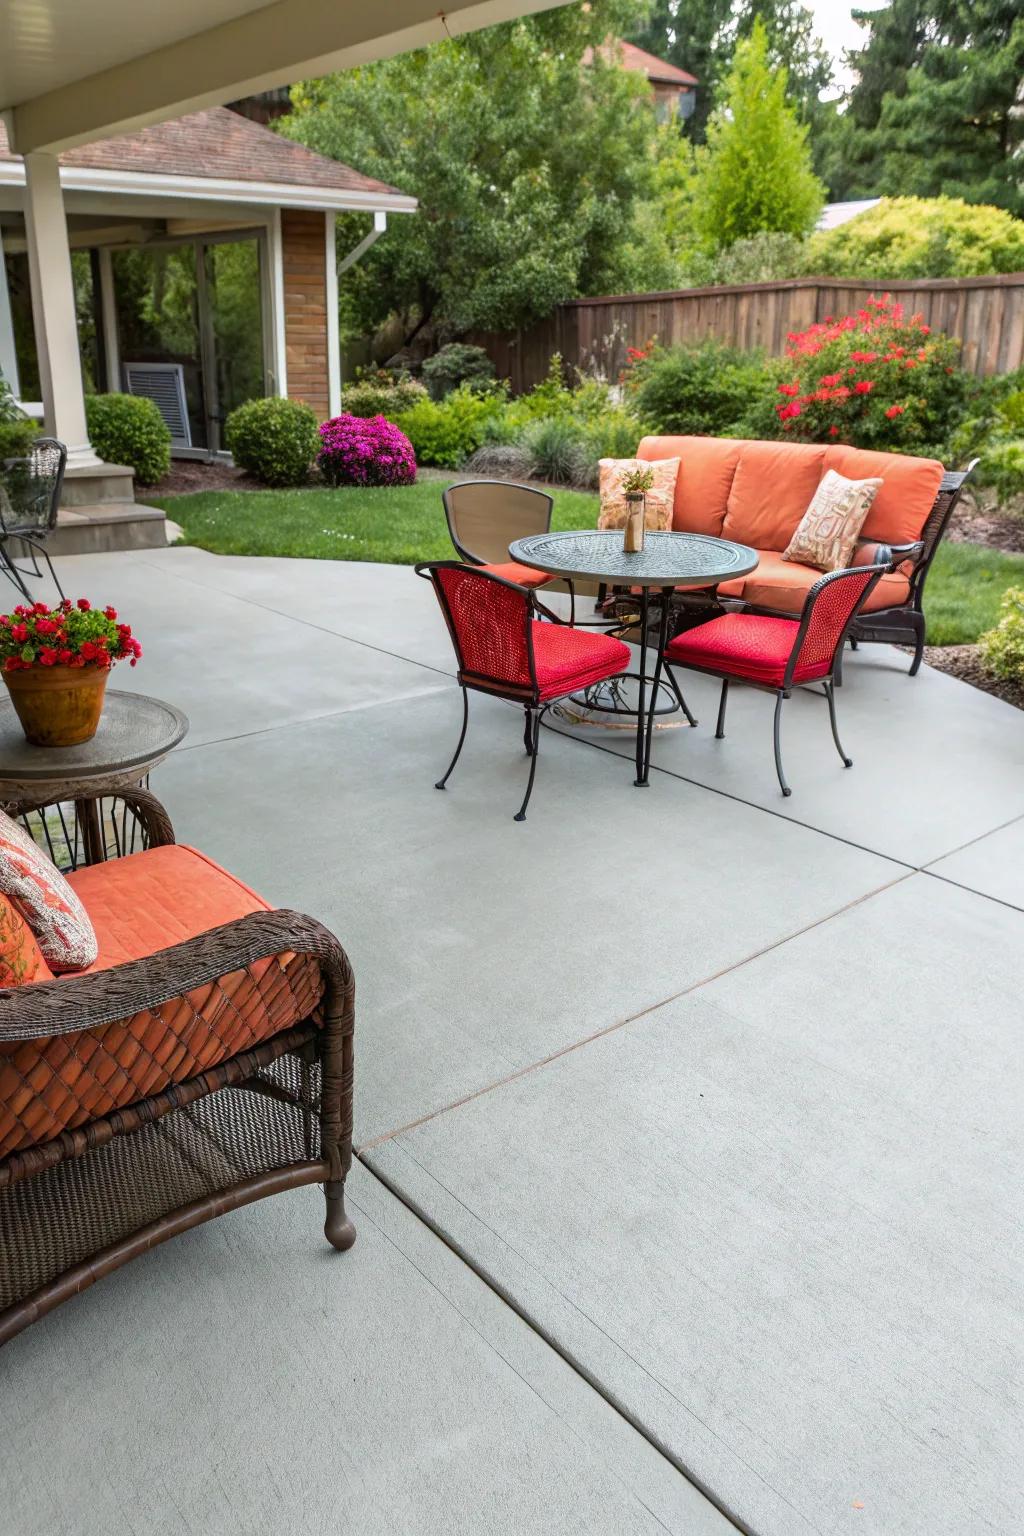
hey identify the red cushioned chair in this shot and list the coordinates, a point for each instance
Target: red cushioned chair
(485, 516)
(503, 650)
(781, 654)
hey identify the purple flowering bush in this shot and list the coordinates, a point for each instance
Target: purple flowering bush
(361, 450)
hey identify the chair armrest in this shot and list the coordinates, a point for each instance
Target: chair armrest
(872, 552)
(74, 1003)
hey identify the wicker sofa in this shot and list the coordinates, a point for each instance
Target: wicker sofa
(204, 1061)
(757, 492)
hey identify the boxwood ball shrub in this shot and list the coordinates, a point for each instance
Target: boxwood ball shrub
(127, 429)
(361, 450)
(274, 440)
(1002, 648)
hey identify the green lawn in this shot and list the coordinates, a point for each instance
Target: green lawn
(401, 526)
(395, 525)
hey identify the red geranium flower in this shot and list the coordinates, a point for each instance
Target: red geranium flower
(863, 387)
(894, 411)
(83, 605)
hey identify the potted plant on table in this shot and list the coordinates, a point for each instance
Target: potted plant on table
(55, 663)
(635, 485)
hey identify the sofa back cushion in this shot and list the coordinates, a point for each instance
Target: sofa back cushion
(706, 469)
(21, 959)
(756, 493)
(907, 495)
(771, 490)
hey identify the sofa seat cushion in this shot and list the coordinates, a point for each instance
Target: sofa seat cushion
(138, 905)
(745, 645)
(783, 585)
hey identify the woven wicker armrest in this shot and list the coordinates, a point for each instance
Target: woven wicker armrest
(76, 1003)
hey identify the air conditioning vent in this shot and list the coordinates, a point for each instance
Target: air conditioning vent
(164, 384)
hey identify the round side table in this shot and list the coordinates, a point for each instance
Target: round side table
(135, 734)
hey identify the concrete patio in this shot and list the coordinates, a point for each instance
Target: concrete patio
(689, 1118)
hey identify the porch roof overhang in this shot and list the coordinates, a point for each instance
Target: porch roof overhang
(71, 73)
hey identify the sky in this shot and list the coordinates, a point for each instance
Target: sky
(837, 28)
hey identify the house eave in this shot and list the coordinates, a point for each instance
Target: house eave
(216, 189)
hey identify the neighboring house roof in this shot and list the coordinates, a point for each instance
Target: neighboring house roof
(834, 214)
(189, 155)
(658, 71)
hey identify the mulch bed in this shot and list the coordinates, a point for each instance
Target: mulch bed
(964, 662)
(999, 530)
(188, 475)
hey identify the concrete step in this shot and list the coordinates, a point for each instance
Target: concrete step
(88, 485)
(105, 526)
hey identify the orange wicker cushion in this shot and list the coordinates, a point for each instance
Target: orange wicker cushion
(141, 904)
(707, 466)
(21, 959)
(783, 585)
(53, 911)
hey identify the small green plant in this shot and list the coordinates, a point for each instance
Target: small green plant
(17, 437)
(637, 482)
(1002, 648)
(701, 390)
(457, 363)
(557, 449)
(274, 440)
(381, 392)
(128, 429)
(447, 432)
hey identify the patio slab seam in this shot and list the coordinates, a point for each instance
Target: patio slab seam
(633, 1018)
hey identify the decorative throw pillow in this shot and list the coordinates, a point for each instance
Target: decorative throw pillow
(659, 499)
(21, 959)
(45, 899)
(827, 533)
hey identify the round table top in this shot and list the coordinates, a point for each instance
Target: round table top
(666, 560)
(135, 734)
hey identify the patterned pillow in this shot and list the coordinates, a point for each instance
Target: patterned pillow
(50, 907)
(826, 535)
(660, 497)
(21, 959)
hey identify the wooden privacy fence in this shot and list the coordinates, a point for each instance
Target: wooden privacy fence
(985, 313)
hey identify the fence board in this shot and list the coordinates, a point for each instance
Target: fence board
(985, 313)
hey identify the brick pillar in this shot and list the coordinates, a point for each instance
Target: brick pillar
(304, 258)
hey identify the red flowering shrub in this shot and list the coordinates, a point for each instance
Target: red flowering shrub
(73, 635)
(875, 379)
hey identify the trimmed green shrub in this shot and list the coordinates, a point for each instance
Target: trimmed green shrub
(763, 258)
(17, 437)
(1002, 648)
(127, 429)
(702, 390)
(381, 393)
(907, 237)
(457, 363)
(447, 432)
(274, 440)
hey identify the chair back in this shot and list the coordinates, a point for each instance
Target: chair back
(489, 622)
(827, 613)
(30, 488)
(484, 516)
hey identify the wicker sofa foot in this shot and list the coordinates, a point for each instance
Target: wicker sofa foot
(338, 1230)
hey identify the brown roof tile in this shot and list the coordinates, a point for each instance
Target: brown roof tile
(216, 143)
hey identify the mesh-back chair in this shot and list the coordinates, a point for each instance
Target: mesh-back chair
(29, 499)
(781, 654)
(485, 516)
(503, 650)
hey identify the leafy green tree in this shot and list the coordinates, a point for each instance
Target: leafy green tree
(529, 149)
(935, 108)
(755, 172)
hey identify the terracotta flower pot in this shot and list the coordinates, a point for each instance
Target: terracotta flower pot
(58, 706)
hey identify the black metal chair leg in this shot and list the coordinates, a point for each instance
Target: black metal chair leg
(830, 695)
(528, 731)
(919, 637)
(462, 736)
(12, 573)
(534, 728)
(838, 668)
(720, 727)
(778, 744)
(572, 602)
(680, 700)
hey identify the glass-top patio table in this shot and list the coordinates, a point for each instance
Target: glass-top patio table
(667, 563)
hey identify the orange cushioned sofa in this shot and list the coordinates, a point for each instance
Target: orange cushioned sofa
(757, 492)
(204, 1060)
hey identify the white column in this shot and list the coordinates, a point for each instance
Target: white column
(53, 309)
(333, 338)
(8, 356)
